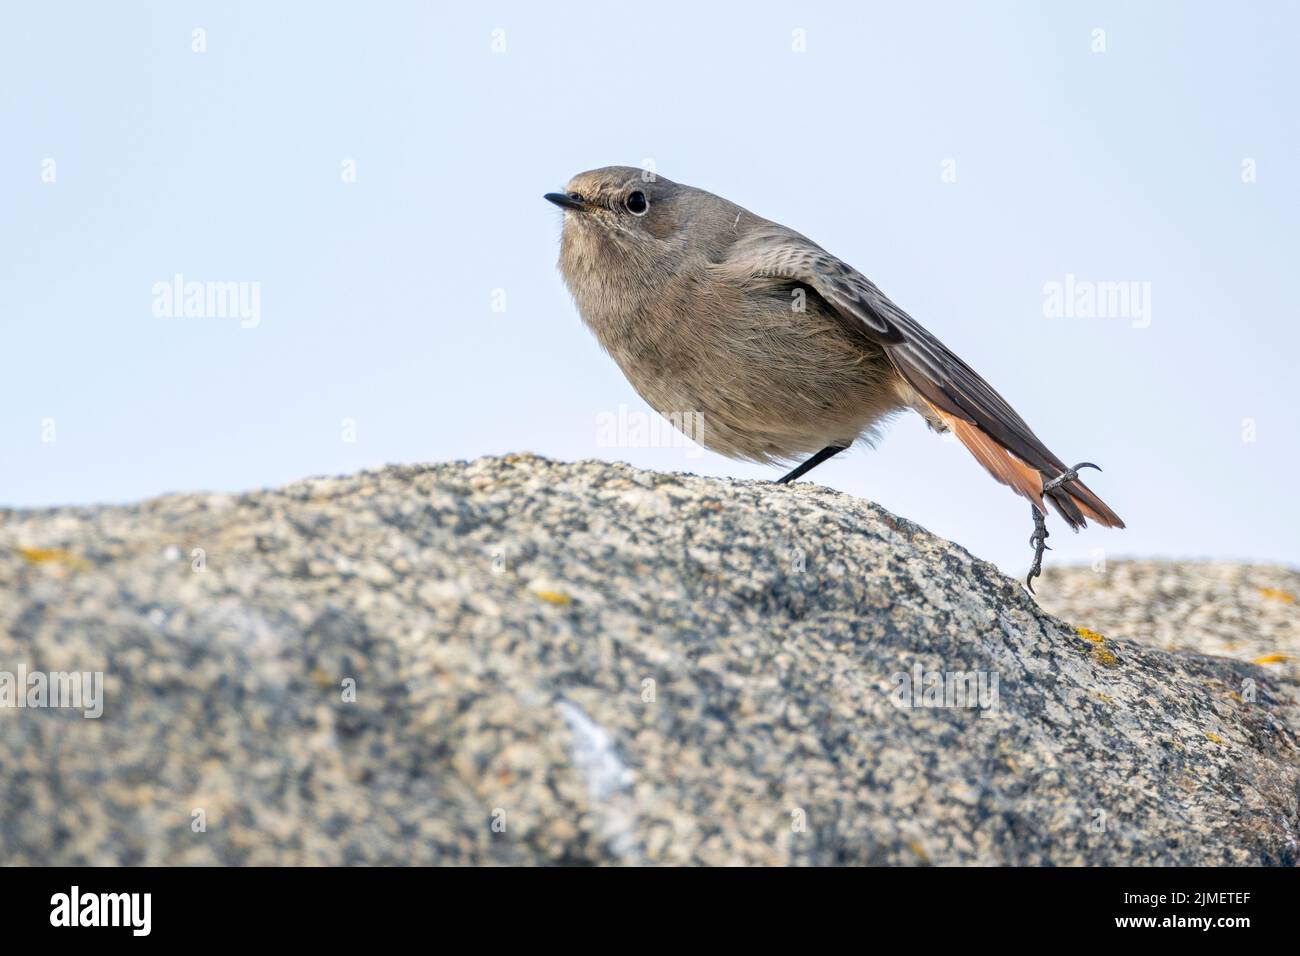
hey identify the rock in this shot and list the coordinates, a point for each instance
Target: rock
(522, 661)
(1248, 612)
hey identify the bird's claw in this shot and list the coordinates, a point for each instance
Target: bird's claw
(1038, 540)
(1070, 474)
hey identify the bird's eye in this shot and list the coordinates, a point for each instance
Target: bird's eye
(636, 203)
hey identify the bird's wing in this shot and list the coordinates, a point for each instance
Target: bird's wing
(978, 415)
(780, 254)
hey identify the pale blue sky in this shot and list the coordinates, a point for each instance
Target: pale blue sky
(377, 295)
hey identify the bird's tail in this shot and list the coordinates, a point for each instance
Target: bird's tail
(1073, 499)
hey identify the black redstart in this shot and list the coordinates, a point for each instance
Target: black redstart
(781, 348)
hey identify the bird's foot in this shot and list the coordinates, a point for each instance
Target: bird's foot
(1038, 540)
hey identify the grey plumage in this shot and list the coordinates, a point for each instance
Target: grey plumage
(783, 348)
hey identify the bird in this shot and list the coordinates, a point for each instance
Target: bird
(782, 350)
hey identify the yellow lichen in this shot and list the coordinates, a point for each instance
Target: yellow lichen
(1104, 657)
(55, 556)
(1215, 737)
(1276, 594)
(1099, 654)
(553, 597)
(919, 850)
(1271, 659)
(1105, 698)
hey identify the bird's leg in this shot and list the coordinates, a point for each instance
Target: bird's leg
(1038, 540)
(828, 452)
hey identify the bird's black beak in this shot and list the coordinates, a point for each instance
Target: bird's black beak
(566, 200)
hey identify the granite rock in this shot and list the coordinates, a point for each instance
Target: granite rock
(520, 661)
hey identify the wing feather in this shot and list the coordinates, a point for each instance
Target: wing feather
(980, 417)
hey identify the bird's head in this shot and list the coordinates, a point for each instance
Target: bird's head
(632, 226)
